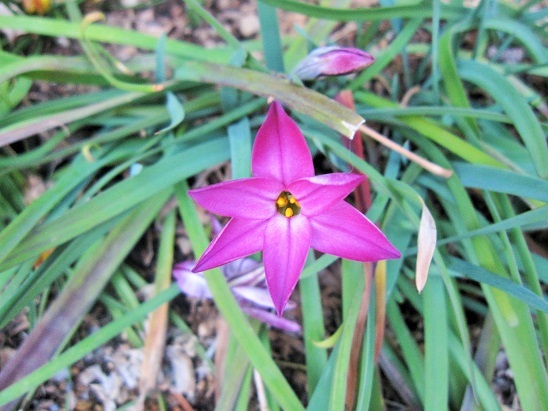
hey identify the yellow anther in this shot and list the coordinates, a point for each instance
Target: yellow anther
(287, 205)
(281, 201)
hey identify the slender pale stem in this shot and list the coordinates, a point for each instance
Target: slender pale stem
(427, 165)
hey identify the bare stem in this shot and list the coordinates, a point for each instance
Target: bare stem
(427, 165)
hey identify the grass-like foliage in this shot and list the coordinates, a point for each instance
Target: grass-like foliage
(456, 151)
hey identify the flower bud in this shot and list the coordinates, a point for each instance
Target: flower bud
(332, 61)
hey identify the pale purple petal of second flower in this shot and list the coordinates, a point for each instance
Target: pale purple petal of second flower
(273, 320)
(286, 245)
(347, 233)
(280, 151)
(243, 269)
(259, 296)
(192, 284)
(252, 198)
(319, 194)
(239, 238)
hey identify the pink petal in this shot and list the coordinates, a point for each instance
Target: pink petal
(319, 194)
(286, 245)
(273, 320)
(251, 198)
(239, 238)
(280, 151)
(347, 233)
(192, 284)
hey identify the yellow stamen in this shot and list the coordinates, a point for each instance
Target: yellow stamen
(287, 205)
(281, 201)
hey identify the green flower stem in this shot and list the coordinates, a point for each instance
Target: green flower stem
(339, 383)
(313, 326)
(436, 358)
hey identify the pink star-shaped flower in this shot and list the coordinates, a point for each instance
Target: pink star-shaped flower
(284, 210)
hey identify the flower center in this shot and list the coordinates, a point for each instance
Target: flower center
(287, 205)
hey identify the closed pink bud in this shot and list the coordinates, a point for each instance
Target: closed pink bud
(332, 61)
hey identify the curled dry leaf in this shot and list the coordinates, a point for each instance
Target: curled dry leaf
(426, 246)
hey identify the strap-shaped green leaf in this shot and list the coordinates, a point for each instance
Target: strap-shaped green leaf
(482, 275)
(515, 107)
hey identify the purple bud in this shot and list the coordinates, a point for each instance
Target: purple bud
(332, 61)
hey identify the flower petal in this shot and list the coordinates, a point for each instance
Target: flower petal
(243, 271)
(347, 233)
(192, 284)
(286, 245)
(239, 238)
(250, 198)
(319, 194)
(280, 151)
(256, 295)
(259, 295)
(273, 320)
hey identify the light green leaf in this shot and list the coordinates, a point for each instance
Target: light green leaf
(482, 275)
(515, 106)
(501, 181)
